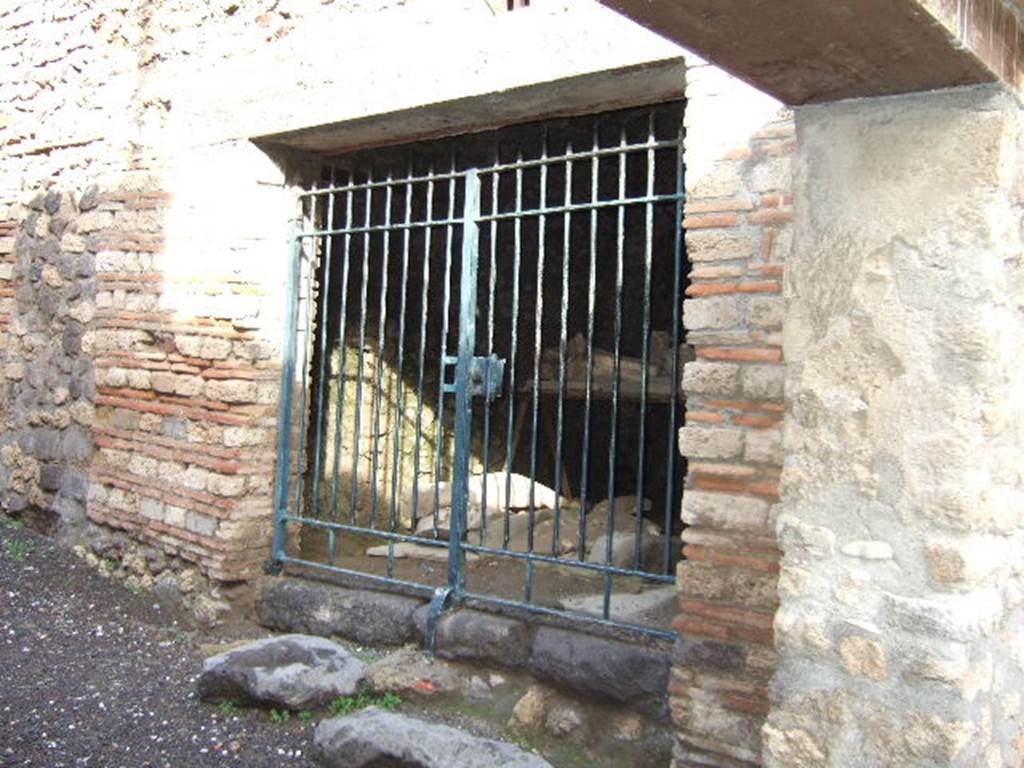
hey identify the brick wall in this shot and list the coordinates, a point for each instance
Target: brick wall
(738, 213)
(185, 404)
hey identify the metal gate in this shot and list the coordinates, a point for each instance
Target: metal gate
(529, 291)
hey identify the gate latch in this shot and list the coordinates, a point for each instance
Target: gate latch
(486, 377)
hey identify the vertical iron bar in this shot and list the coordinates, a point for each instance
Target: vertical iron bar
(400, 390)
(517, 241)
(491, 285)
(537, 341)
(556, 544)
(463, 395)
(616, 370)
(382, 316)
(425, 296)
(645, 350)
(362, 354)
(595, 168)
(340, 400)
(673, 450)
(446, 306)
(321, 379)
(307, 342)
(284, 413)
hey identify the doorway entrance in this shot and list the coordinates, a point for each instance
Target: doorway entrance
(487, 360)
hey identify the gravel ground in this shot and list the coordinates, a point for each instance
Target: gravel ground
(94, 675)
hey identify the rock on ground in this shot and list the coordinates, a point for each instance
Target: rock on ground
(411, 672)
(292, 671)
(374, 738)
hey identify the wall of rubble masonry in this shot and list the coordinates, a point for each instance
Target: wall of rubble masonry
(899, 630)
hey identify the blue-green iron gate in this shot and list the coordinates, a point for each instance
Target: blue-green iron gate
(438, 319)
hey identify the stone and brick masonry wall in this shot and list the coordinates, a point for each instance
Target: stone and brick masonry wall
(738, 220)
(109, 108)
(185, 405)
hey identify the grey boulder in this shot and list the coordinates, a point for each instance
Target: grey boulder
(290, 671)
(375, 738)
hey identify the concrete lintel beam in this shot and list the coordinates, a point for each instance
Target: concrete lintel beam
(804, 51)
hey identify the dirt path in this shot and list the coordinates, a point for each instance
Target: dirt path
(94, 675)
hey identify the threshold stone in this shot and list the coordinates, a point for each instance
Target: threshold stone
(374, 737)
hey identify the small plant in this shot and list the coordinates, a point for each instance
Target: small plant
(17, 550)
(280, 716)
(365, 656)
(346, 705)
(9, 522)
(227, 708)
(305, 715)
(135, 589)
(110, 564)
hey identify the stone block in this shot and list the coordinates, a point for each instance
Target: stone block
(968, 560)
(230, 391)
(718, 180)
(174, 516)
(204, 525)
(932, 738)
(50, 477)
(767, 311)
(732, 585)
(214, 348)
(764, 382)
(726, 512)
(764, 446)
(716, 313)
(703, 654)
(226, 485)
(372, 618)
(797, 537)
(710, 442)
(164, 382)
(719, 245)
(74, 485)
(864, 657)
(704, 378)
(771, 174)
(963, 617)
(793, 747)
(477, 636)
(151, 508)
(627, 674)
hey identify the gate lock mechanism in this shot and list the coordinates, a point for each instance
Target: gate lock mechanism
(486, 377)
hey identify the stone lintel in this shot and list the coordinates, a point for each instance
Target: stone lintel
(805, 51)
(636, 85)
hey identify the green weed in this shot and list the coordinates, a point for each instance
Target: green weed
(17, 550)
(280, 716)
(227, 708)
(346, 705)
